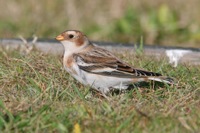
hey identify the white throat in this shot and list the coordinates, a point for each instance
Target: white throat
(71, 48)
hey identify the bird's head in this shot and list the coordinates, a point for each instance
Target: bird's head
(72, 39)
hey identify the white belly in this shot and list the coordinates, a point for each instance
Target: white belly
(104, 83)
(98, 82)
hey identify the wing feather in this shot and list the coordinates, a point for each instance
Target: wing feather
(102, 62)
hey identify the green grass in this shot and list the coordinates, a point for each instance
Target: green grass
(38, 95)
(173, 22)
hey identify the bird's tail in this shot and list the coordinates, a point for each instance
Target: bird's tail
(163, 79)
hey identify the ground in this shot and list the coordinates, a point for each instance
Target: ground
(38, 95)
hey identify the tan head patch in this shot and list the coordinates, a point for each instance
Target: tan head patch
(80, 40)
(74, 36)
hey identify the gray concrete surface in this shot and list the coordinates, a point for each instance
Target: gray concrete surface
(174, 54)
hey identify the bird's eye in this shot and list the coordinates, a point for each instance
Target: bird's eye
(71, 36)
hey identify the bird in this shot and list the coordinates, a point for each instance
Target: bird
(99, 68)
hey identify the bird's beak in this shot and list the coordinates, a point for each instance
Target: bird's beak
(60, 38)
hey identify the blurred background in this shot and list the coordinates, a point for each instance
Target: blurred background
(158, 22)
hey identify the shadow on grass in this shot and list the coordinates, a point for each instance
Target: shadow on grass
(145, 85)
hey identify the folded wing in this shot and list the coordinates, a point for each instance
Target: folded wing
(101, 62)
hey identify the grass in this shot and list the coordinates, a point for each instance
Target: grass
(38, 95)
(171, 22)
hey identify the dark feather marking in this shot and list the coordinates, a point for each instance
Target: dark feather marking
(121, 69)
(90, 68)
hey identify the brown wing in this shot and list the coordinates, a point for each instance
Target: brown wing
(102, 62)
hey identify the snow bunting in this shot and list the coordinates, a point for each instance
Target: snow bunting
(99, 68)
